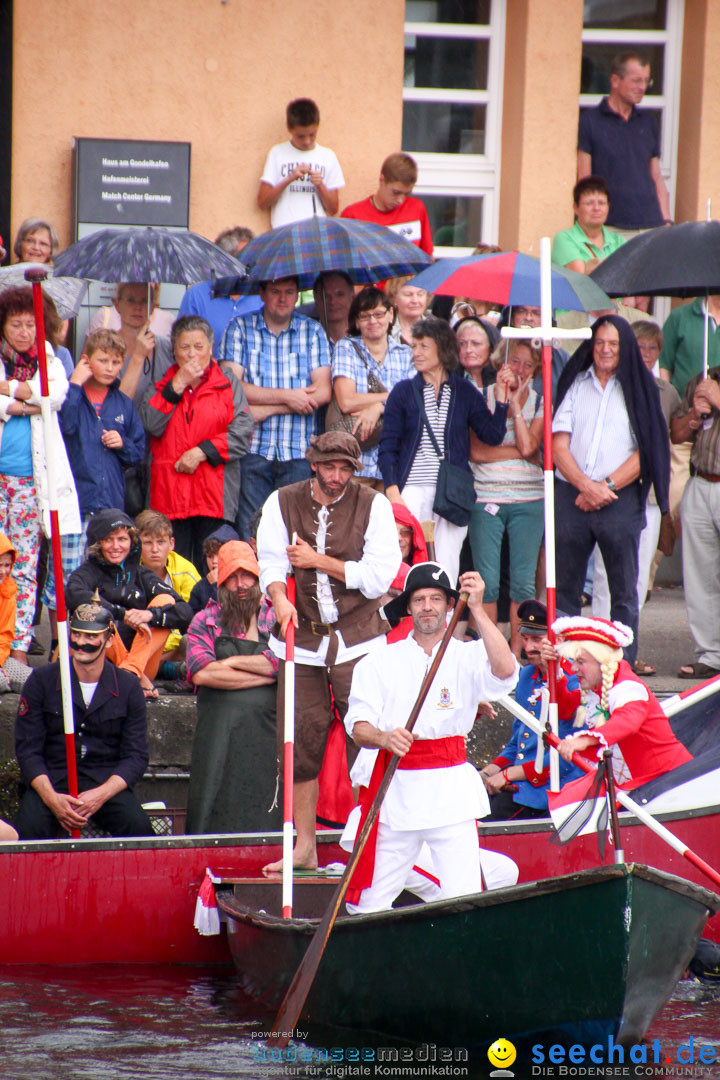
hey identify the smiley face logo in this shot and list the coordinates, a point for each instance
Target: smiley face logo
(502, 1053)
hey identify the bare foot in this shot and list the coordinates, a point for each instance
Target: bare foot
(147, 687)
(302, 860)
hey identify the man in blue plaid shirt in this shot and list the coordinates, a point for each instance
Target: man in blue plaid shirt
(283, 360)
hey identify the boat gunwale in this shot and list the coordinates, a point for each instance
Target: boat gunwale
(626, 819)
(324, 836)
(168, 843)
(230, 905)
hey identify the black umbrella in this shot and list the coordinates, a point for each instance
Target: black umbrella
(680, 260)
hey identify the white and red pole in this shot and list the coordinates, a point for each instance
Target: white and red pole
(288, 759)
(36, 275)
(622, 797)
(546, 332)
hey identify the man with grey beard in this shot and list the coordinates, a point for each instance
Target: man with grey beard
(234, 766)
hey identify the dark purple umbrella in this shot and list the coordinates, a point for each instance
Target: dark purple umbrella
(146, 254)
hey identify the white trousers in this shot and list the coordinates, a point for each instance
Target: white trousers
(498, 870)
(454, 851)
(419, 499)
(647, 547)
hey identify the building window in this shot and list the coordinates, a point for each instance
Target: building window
(452, 109)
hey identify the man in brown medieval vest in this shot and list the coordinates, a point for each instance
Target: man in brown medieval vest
(339, 539)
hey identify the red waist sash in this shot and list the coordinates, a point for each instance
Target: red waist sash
(423, 754)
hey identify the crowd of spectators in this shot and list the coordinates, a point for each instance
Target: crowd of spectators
(199, 419)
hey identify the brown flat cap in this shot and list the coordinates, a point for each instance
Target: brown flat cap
(335, 446)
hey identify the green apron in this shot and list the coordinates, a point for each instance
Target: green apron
(233, 771)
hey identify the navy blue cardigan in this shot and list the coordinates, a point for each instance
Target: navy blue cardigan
(403, 426)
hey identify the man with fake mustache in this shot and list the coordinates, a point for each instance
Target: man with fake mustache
(111, 747)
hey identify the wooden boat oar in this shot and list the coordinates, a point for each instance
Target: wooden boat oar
(622, 796)
(36, 275)
(428, 528)
(289, 757)
(292, 1004)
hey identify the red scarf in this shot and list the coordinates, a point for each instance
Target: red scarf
(20, 366)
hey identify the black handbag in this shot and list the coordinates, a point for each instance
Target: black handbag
(455, 488)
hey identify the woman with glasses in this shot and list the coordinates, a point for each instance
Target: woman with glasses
(509, 484)
(366, 365)
(36, 241)
(584, 245)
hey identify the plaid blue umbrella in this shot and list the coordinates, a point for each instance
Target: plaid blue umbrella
(365, 251)
(65, 292)
(145, 254)
(509, 277)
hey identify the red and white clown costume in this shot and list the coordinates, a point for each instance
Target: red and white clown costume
(621, 711)
(435, 795)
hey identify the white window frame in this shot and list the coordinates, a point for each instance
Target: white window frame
(471, 175)
(669, 101)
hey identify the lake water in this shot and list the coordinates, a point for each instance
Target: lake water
(172, 1023)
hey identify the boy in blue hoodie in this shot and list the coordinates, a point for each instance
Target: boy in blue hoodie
(102, 430)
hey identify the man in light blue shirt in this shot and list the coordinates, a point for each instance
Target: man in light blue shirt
(283, 360)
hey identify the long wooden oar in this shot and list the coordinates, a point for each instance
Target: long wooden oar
(622, 797)
(291, 1007)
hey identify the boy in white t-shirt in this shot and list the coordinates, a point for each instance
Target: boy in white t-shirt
(300, 178)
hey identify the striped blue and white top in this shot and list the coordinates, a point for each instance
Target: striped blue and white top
(425, 467)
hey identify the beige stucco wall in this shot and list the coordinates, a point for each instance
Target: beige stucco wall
(540, 115)
(218, 75)
(698, 175)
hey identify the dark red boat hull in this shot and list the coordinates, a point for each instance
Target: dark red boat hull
(115, 901)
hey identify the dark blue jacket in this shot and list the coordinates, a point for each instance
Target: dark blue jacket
(522, 747)
(110, 732)
(98, 471)
(403, 426)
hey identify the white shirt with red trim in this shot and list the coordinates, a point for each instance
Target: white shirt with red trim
(384, 689)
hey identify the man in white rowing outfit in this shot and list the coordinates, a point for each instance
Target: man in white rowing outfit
(435, 795)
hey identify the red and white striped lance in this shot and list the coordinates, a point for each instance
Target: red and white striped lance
(288, 759)
(546, 332)
(622, 796)
(36, 275)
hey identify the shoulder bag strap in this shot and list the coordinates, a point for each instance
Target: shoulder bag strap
(419, 397)
(371, 374)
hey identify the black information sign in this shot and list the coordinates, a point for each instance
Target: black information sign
(132, 182)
